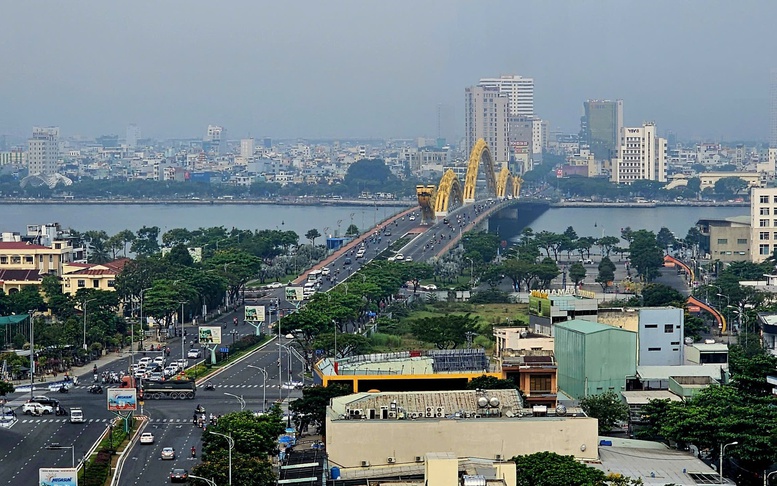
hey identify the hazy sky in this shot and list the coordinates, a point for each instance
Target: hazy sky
(378, 68)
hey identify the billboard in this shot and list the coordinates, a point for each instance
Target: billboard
(254, 313)
(210, 334)
(58, 476)
(122, 399)
(539, 306)
(294, 294)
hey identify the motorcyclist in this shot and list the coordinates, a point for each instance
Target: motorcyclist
(194, 451)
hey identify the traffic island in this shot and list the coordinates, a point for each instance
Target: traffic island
(101, 461)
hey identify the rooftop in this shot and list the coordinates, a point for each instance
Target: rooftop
(20, 245)
(587, 327)
(664, 372)
(642, 397)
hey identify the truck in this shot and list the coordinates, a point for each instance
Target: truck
(174, 389)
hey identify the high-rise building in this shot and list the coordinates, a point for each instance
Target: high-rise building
(486, 117)
(43, 151)
(133, 134)
(519, 91)
(641, 155)
(763, 223)
(247, 148)
(217, 137)
(600, 127)
(773, 108)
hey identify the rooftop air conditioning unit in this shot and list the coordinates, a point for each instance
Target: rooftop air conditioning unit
(365, 463)
(498, 457)
(419, 458)
(392, 414)
(391, 460)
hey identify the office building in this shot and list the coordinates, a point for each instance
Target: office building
(247, 149)
(486, 117)
(773, 108)
(763, 223)
(43, 150)
(600, 127)
(641, 155)
(133, 135)
(216, 137)
(519, 92)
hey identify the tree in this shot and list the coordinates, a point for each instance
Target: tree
(5, 388)
(652, 415)
(311, 235)
(247, 470)
(659, 295)
(485, 382)
(730, 186)
(665, 239)
(607, 243)
(179, 255)
(446, 332)
(577, 273)
(347, 344)
(749, 372)
(311, 408)
(646, 256)
(551, 469)
(606, 273)
(607, 407)
(146, 241)
(546, 271)
(352, 230)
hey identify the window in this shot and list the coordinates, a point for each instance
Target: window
(540, 384)
(668, 328)
(111, 283)
(675, 343)
(3, 260)
(764, 211)
(764, 235)
(651, 326)
(16, 260)
(29, 259)
(763, 249)
(96, 283)
(743, 241)
(81, 284)
(724, 241)
(654, 349)
(763, 223)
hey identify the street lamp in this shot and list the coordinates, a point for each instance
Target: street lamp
(288, 355)
(209, 481)
(239, 398)
(183, 340)
(32, 353)
(143, 333)
(54, 446)
(728, 304)
(722, 452)
(471, 270)
(767, 476)
(264, 385)
(231, 443)
(85, 303)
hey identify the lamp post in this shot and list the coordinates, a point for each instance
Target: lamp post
(54, 446)
(334, 324)
(239, 398)
(264, 385)
(85, 303)
(143, 332)
(728, 304)
(32, 353)
(210, 482)
(767, 476)
(471, 269)
(183, 339)
(288, 355)
(231, 443)
(722, 452)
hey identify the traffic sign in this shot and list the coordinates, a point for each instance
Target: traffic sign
(224, 350)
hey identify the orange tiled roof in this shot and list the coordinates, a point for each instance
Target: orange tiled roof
(21, 245)
(20, 275)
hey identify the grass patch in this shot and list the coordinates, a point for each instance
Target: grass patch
(201, 370)
(97, 468)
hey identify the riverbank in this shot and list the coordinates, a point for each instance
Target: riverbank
(302, 201)
(656, 204)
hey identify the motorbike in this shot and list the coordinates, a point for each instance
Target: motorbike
(209, 386)
(96, 389)
(194, 452)
(63, 389)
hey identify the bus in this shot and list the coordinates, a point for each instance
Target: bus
(315, 276)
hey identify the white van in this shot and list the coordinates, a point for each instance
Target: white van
(77, 416)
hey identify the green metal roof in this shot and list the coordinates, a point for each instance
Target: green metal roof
(586, 327)
(14, 319)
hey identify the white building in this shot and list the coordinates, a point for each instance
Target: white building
(486, 117)
(43, 150)
(519, 91)
(133, 134)
(641, 155)
(217, 136)
(247, 149)
(773, 109)
(763, 223)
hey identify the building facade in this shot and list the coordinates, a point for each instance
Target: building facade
(43, 150)
(763, 223)
(661, 335)
(601, 126)
(519, 91)
(641, 156)
(486, 117)
(727, 240)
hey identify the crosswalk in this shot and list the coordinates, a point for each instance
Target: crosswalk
(81, 387)
(102, 421)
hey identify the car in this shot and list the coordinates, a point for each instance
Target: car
(168, 453)
(409, 258)
(586, 261)
(159, 360)
(182, 363)
(77, 416)
(387, 232)
(292, 385)
(399, 257)
(193, 354)
(146, 438)
(179, 475)
(145, 360)
(275, 285)
(445, 221)
(44, 400)
(325, 271)
(157, 376)
(35, 408)
(429, 287)
(347, 261)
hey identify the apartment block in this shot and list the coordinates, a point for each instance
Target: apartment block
(641, 156)
(763, 223)
(486, 117)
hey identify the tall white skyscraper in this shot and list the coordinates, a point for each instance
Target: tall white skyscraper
(519, 91)
(486, 117)
(247, 148)
(133, 134)
(773, 108)
(217, 136)
(641, 155)
(43, 150)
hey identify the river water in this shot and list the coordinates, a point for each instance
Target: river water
(116, 217)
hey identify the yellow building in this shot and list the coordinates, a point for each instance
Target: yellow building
(21, 255)
(91, 276)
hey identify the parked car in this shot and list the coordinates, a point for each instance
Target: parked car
(146, 438)
(179, 475)
(168, 453)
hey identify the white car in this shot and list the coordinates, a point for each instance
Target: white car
(146, 438)
(159, 360)
(35, 408)
(412, 217)
(325, 271)
(145, 361)
(409, 258)
(429, 287)
(399, 257)
(193, 354)
(182, 363)
(292, 385)
(275, 285)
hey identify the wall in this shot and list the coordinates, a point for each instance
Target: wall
(349, 442)
(656, 346)
(611, 357)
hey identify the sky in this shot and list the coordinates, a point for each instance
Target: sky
(354, 69)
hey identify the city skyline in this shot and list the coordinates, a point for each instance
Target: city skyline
(335, 71)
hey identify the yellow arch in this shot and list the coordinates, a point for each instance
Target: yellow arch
(480, 154)
(501, 182)
(449, 188)
(425, 195)
(517, 182)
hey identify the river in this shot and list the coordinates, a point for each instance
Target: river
(116, 217)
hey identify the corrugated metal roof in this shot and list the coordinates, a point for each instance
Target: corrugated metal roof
(587, 327)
